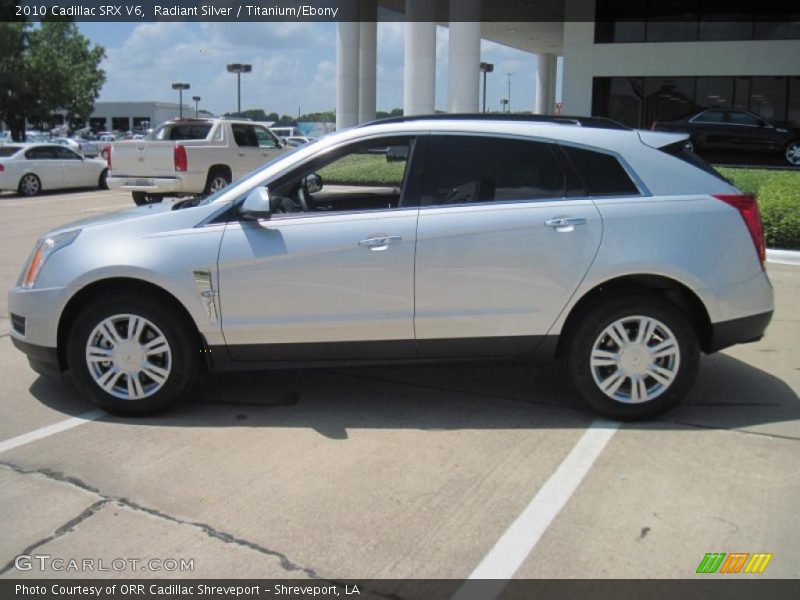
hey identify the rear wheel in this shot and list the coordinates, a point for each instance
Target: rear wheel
(131, 355)
(793, 153)
(217, 179)
(633, 357)
(29, 185)
(141, 198)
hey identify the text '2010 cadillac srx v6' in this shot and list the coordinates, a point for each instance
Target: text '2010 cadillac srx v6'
(616, 251)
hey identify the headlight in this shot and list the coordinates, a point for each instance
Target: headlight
(44, 248)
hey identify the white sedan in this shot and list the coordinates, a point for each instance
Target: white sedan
(31, 168)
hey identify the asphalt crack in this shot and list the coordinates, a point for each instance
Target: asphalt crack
(285, 562)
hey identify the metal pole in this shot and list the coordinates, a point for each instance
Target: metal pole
(239, 92)
(509, 92)
(484, 91)
(180, 103)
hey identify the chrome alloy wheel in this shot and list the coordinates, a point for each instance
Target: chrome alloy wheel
(128, 356)
(635, 359)
(793, 153)
(30, 185)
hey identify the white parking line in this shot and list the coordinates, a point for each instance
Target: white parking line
(514, 546)
(44, 432)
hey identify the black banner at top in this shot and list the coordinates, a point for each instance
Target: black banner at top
(442, 11)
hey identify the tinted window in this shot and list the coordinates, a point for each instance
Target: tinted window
(6, 151)
(601, 173)
(198, 131)
(462, 169)
(738, 118)
(710, 116)
(244, 135)
(66, 154)
(42, 152)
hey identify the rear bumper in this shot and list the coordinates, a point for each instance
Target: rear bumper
(738, 331)
(148, 185)
(42, 359)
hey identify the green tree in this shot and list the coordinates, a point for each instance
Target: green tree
(256, 114)
(44, 69)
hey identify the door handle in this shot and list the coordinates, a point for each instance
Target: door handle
(565, 224)
(380, 242)
(241, 154)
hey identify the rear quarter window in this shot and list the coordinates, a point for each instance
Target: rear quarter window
(602, 174)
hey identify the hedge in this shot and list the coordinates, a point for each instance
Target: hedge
(778, 194)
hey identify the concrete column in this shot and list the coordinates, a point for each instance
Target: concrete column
(546, 85)
(419, 78)
(347, 72)
(463, 75)
(368, 54)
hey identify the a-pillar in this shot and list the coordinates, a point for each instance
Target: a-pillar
(463, 75)
(419, 77)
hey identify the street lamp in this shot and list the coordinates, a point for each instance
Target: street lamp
(196, 100)
(180, 87)
(239, 68)
(485, 68)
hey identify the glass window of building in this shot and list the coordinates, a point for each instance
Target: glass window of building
(768, 97)
(668, 98)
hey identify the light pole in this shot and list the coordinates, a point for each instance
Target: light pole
(239, 68)
(180, 87)
(485, 69)
(196, 101)
(509, 92)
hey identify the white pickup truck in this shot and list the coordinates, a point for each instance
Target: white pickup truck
(187, 157)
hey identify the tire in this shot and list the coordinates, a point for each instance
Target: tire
(792, 153)
(145, 372)
(593, 357)
(29, 185)
(141, 198)
(217, 179)
(102, 183)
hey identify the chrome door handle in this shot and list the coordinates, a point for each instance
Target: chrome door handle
(565, 224)
(380, 242)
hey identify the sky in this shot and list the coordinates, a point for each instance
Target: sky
(294, 65)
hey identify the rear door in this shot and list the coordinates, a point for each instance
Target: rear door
(43, 161)
(505, 236)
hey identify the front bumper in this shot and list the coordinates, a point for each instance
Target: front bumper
(42, 359)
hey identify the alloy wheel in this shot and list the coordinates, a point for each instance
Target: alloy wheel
(793, 153)
(30, 185)
(128, 356)
(635, 359)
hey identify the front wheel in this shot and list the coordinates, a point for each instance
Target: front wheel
(131, 355)
(633, 358)
(793, 153)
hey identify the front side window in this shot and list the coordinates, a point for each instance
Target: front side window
(363, 176)
(66, 154)
(244, 136)
(469, 169)
(265, 138)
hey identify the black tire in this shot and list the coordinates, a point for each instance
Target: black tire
(791, 153)
(216, 177)
(587, 332)
(183, 365)
(141, 198)
(102, 183)
(29, 185)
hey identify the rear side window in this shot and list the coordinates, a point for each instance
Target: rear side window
(467, 169)
(183, 131)
(681, 150)
(601, 173)
(710, 116)
(41, 152)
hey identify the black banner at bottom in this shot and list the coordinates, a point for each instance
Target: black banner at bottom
(397, 589)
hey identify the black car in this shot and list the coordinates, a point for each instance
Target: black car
(723, 132)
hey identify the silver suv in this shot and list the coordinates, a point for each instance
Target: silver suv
(414, 239)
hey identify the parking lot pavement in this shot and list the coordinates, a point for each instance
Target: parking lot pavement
(401, 472)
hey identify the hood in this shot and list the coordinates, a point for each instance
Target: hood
(126, 214)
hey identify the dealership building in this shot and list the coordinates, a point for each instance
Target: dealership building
(636, 62)
(130, 116)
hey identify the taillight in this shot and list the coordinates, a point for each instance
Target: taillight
(748, 208)
(181, 161)
(108, 156)
(2, 168)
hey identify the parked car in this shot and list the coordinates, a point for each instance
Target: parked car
(298, 140)
(190, 156)
(33, 168)
(613, 250)
(724, 131)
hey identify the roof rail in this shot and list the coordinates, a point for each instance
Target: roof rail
(594, 122)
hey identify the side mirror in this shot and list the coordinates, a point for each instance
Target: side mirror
(313, 183)
(282, 142)
(256, 205)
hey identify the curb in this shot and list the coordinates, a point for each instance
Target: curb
(784, 257)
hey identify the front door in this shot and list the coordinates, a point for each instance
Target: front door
(331, 274)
